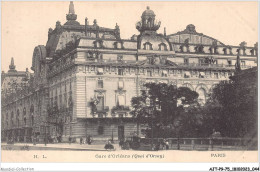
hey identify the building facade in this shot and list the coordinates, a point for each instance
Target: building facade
(85, 77)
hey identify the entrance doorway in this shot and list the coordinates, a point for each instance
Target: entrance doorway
(121, 132)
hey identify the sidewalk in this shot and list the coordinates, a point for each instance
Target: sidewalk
(61, 146)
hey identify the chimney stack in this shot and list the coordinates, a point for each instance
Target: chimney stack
(86, 23)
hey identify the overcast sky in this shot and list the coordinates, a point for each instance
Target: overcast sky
(25, 24)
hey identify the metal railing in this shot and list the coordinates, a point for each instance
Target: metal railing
(206, 143)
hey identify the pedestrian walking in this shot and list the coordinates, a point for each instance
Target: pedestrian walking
(69, 139)
(81, 140)
(167, 144)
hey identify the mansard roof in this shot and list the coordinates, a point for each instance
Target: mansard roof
(193, 37)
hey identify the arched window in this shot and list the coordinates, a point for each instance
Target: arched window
(149, 22)
(202, 96)
(148, 46)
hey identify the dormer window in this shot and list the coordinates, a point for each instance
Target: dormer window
(164, 73)
(100, 71)
(187, 74)
(202, 75)
(148, 46)
(120, 72)
(162, 47)
(199, 49)
(225, 51)
(98, 44)
(118, 45)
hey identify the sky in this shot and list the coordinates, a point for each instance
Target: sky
(25, 24)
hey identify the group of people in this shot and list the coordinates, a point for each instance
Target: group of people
(87, 140)
(164, 144)
(109, 146)
(135, 144)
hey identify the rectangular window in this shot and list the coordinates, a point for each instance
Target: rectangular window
(243, 63)
(229, 62)
(164, 73)
(120, 72)
(186, 61)
(100, 115)
(100, 105)
(201, 61)
(100, 84)
(100, 130)
(120, 100)
(149, 73)
(215, 75)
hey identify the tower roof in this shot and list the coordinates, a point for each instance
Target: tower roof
(71, 8)
(148, 12)
(71, 17)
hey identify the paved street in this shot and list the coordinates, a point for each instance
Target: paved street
(57, 146)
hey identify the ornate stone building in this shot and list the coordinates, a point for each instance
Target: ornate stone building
(86, 75)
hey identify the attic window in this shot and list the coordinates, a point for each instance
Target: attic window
(201, 74)
(164, 73)
(100, 71)
(118, 45)
(97, 44)
(187, 74)
(148, 46)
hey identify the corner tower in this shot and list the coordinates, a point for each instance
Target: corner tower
(71, 17)
(148, 22)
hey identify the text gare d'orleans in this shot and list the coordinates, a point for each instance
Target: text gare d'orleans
(133, 156)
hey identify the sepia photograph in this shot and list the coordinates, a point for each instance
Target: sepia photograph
(88, 81)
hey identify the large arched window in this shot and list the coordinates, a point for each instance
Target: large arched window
(148, 46)
(202, 96)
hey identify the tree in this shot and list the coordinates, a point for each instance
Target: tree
(167, 103)
(232, 108)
